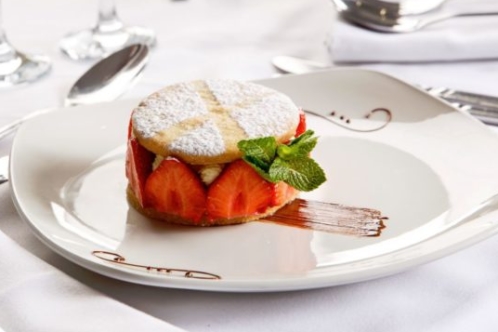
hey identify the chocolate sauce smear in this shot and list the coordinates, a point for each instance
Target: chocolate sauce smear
(330, 217)
(306, 214)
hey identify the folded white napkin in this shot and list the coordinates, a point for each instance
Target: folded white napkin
(461, 38)
(35, 296)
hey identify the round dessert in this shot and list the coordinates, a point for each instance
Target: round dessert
(216, 152)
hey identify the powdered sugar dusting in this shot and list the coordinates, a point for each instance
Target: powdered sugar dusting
(230, 93)
(273, 115)
(166, 108)
(201, 141)
(259, 111)
(205, 119)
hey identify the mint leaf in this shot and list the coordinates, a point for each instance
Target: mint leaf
(259, 151)
(303, 137)
(256, 165)
(284, 162)
(303, 174)
(304, 144)
(299, 147)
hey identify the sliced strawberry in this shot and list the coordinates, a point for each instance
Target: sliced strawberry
(238, 192)
(301, 127)
(174, 188)
(282, 193)
(138, 167)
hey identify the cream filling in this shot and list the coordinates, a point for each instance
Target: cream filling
(157, 161)
(207, 173)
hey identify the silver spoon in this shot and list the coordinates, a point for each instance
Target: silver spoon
(392, 9)
(379, 21)
(105, 81)
(293, 65)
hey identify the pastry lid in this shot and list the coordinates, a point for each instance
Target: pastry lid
(201, 122)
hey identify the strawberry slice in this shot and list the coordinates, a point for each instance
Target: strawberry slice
(282, 192)
(301, 127)
(238, 192)
(174, 188)
(138, 167)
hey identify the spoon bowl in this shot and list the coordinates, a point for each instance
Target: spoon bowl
(110, 78)
(391, 9)
(380, 19)
(105, 81)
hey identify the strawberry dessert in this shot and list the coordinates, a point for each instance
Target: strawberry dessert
(218, 152)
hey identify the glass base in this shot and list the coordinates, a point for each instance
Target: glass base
(20, 68)
(95, 44)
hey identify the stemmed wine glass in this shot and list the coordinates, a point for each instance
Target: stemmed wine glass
(16, 67)
(110, 34)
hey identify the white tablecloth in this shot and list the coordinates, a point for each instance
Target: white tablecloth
(471, 38)
(237, 39)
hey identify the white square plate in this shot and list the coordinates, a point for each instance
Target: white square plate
(432, 170)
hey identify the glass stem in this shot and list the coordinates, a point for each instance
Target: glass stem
(108, 20)
(7, 52)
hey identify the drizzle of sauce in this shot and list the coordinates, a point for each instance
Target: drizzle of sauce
(330, 217)
(118, 259)
(348, 124)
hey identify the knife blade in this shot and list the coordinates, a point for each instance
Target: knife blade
(483, 107)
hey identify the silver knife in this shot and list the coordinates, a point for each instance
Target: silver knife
(483, 107)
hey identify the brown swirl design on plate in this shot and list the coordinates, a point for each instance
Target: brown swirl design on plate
(347, 123)
(173, 272)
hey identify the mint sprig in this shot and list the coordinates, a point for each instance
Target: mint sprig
(299, 147)
(285, 162)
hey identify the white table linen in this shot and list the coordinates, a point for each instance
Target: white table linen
(35, 296)
(462, 38)
(237, 39)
